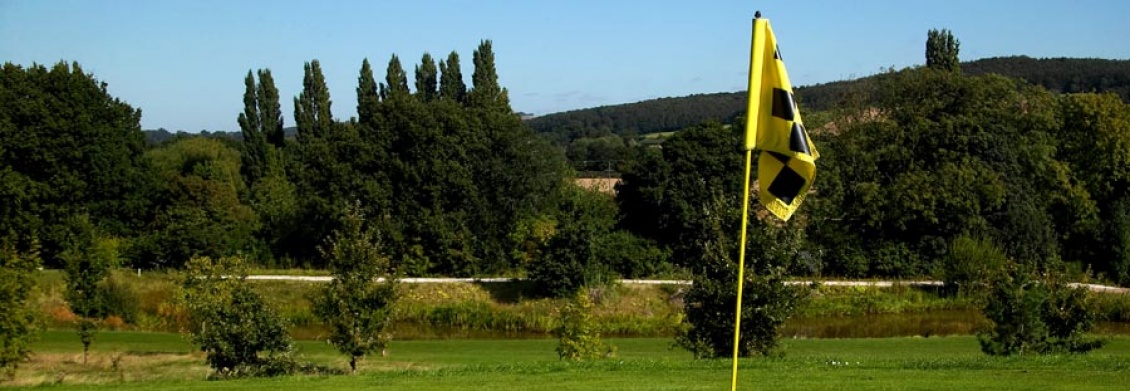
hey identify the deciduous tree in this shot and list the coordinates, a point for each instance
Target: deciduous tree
(240, 333)
(357, 306)
(941, 50)
(17, 320)
(426, 79)
(451, 84)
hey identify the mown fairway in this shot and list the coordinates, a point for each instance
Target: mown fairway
(155, 361)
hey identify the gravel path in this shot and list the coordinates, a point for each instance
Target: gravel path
(414, 280)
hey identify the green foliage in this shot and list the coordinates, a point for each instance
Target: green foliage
(17, 320)
(1034, 316)
(572, 258)
(710, 304)
(233, 325)
(427, 82)
(661, 197)
(448, 185)
(1063, 75)
(578, 338)
(201, 209)
(1120, 238)
(68, 147)
(261, 126)
(971, 264)
(312, 112)
(941, 50)
(120, 297)
(396, 80)
(1099, 125)
(640, 118)
(356, 307)
(943, 156)
(88, 261)
(688, 197)
(486, 92)
(451, 85)
(631, 256)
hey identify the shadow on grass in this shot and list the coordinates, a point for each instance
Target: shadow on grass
(509, 292)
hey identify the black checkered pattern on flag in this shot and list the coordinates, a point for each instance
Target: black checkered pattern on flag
(787, 163)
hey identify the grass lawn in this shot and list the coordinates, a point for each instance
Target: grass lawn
(157, 361)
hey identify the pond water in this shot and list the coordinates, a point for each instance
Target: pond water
(925, 324)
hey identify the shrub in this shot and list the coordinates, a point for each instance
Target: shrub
(88, 258)
(231, 323)
(572, 259)
(708, 329)
(356, 308)
(970, 265)
(631, 256)
(578, 337)
(17, 319)
(1030, 315)
(120, 298)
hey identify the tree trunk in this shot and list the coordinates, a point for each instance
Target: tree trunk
(353, 364)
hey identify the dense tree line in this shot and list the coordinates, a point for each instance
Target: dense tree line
(1065, 75)
(595, 137)
(640, 118)
(940, 156)
(68, 148)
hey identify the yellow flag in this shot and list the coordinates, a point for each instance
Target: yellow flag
(787, 165)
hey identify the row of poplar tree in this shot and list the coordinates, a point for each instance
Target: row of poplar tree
(452, 180)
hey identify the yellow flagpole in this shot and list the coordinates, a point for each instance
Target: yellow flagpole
(741, 268)
(756, 63)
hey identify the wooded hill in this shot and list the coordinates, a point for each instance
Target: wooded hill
(1063, 75)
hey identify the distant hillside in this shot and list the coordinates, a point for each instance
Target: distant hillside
(1065, 75)
(162, 135)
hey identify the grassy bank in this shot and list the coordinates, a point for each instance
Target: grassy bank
(510, 310)
(161, 361)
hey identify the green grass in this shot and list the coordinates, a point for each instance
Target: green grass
(641, 364)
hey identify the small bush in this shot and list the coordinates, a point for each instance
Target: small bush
(235, 327)
(120, 298)
(708, 329)
(970, 264)
(633, 257)
(577, 334)
(1031, 315)
(17, 319)
(573, 257)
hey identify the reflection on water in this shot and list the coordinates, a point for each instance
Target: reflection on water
(924, 324)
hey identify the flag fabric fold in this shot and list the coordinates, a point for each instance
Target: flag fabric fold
(787, 162)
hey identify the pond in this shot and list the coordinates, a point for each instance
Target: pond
(924, 324)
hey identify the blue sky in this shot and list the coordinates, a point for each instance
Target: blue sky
(183, 62)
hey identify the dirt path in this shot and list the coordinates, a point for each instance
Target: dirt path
(414, 280)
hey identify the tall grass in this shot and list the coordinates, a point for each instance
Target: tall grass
(504, 309)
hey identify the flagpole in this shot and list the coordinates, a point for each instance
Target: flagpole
(756, 62)
(741, 266)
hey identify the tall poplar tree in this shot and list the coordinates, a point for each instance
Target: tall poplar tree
(270, 110)
(312, 107)
(941, 50)
(426, 83)
(253, 156)
(396, 80)
(451, 85)
(486, 92)
(368, 95)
